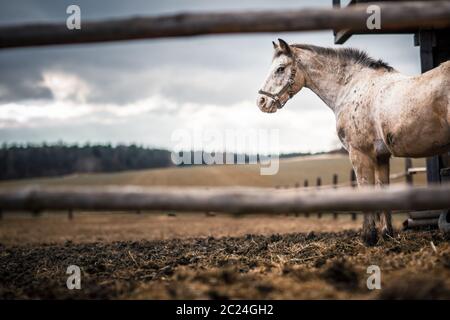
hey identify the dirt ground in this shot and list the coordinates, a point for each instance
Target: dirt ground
(145, 256)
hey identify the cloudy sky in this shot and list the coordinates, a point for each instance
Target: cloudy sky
(142, 91)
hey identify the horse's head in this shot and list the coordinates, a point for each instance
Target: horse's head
(285, 79)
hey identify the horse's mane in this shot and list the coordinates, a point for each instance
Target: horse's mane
(348, 54)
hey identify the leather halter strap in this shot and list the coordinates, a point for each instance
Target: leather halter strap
(287, 87)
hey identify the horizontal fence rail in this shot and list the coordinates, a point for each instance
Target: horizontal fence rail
(233, 200)
(394, 16)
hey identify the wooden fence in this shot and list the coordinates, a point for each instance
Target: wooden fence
(408, 174)
(394, 15)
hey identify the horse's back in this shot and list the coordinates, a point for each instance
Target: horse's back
(413, 116)
(430, 92)
(442, 74)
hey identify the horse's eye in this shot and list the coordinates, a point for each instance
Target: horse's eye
(280, 69)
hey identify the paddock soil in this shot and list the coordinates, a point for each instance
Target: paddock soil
(258, 257)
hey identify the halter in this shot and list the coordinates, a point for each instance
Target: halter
(287, 87)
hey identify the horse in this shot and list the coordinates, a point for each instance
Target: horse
(379, 111)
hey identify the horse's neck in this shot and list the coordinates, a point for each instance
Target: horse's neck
(332, 80)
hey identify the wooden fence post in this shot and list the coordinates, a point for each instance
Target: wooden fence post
(297, 185)
(352, 178)
(335, 182)
(319, 181)
(36, 213)
(353, 184)
(305, 185)
(318, 184)
(408, 165)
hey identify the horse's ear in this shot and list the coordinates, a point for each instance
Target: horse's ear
(275, 46)
(285, 47)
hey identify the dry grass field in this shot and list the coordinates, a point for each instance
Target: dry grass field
(167, 255)
(191, 256)
(110, 227)
(291, 171)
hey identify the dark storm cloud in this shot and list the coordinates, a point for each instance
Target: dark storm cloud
(21, 78)
(121, 74)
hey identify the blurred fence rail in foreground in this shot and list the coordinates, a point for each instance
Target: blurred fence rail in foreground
(394, 16)
(240, 200)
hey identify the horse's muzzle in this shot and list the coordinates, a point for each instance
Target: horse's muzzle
(266, 104)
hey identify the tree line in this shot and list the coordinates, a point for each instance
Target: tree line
(29, 161)
(32, 161)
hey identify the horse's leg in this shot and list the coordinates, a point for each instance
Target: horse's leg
(381, 179)
(364, 167)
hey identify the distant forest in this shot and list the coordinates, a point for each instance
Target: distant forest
(18, 162)
(32, 161)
